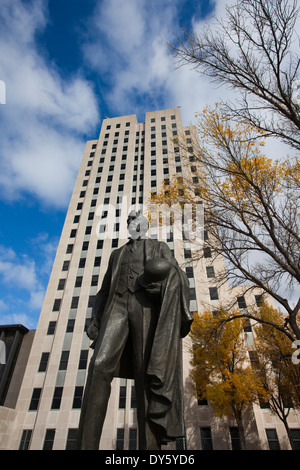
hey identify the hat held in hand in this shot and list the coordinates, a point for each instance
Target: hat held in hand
(155, 270)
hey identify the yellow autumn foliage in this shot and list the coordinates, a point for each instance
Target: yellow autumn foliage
(220, 365)
(275, 352)
(244, 178)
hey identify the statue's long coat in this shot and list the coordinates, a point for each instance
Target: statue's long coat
(165, 365)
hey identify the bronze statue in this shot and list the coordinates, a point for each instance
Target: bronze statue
(140, 315)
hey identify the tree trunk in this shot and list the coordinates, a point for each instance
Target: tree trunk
(288, 431)
(240, 426)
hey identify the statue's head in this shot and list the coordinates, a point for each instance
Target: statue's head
(137, 225)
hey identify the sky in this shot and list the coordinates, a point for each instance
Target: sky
(64, 66)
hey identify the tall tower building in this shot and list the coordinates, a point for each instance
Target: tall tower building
(118, 172)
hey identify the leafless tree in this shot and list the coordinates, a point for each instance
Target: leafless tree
(253, 50)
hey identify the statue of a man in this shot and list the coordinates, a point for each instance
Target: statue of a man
(140, 315)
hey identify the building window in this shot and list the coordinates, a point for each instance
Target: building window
(35, 398)
(49, 439)
(206, 439)
(120, 439)
(66, 265)
(272, 439)
(73, 233)
(56, 398)
(70, 325)
(44, 362)
(193, 293)
(122, 397)
(99, 244)
(51, 328)
(132, 439)
(61, 284)
(78, 281)
(241, 302)
(97, 261)
(56, 305)
(235, 438)
(114, 243)
(77, 399)
(69, 249)
(71, 439)
(91, 301)
(207, 252)
(247, 327)
(94, 281)
(210, 272)
(82, 263)
(202, 402)
(213, 293)
(295, 435)
(75, 301)
(83, 359)
(85, 246)
(25, 439)
(64, 358)
(189, 272)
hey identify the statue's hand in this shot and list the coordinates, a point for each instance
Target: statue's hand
(93, 330)
(153, 289)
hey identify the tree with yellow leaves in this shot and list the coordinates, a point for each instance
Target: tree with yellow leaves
(251, 211)
(278, 371)
(221, 369)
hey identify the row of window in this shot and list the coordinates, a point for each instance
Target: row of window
(56, 399)
(213, 294)
(63, 364)
(78, 391)
(70, 325)
(205, 437)
(153, 120)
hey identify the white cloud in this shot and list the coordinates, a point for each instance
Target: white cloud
(45, 114)
(17, 319)
(42, 162)
(23, 278)
(122, 22)
(141, 73)
(18, 273)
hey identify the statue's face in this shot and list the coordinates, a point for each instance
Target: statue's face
(137, 227)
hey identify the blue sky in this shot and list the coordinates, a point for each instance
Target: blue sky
(66, 65)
